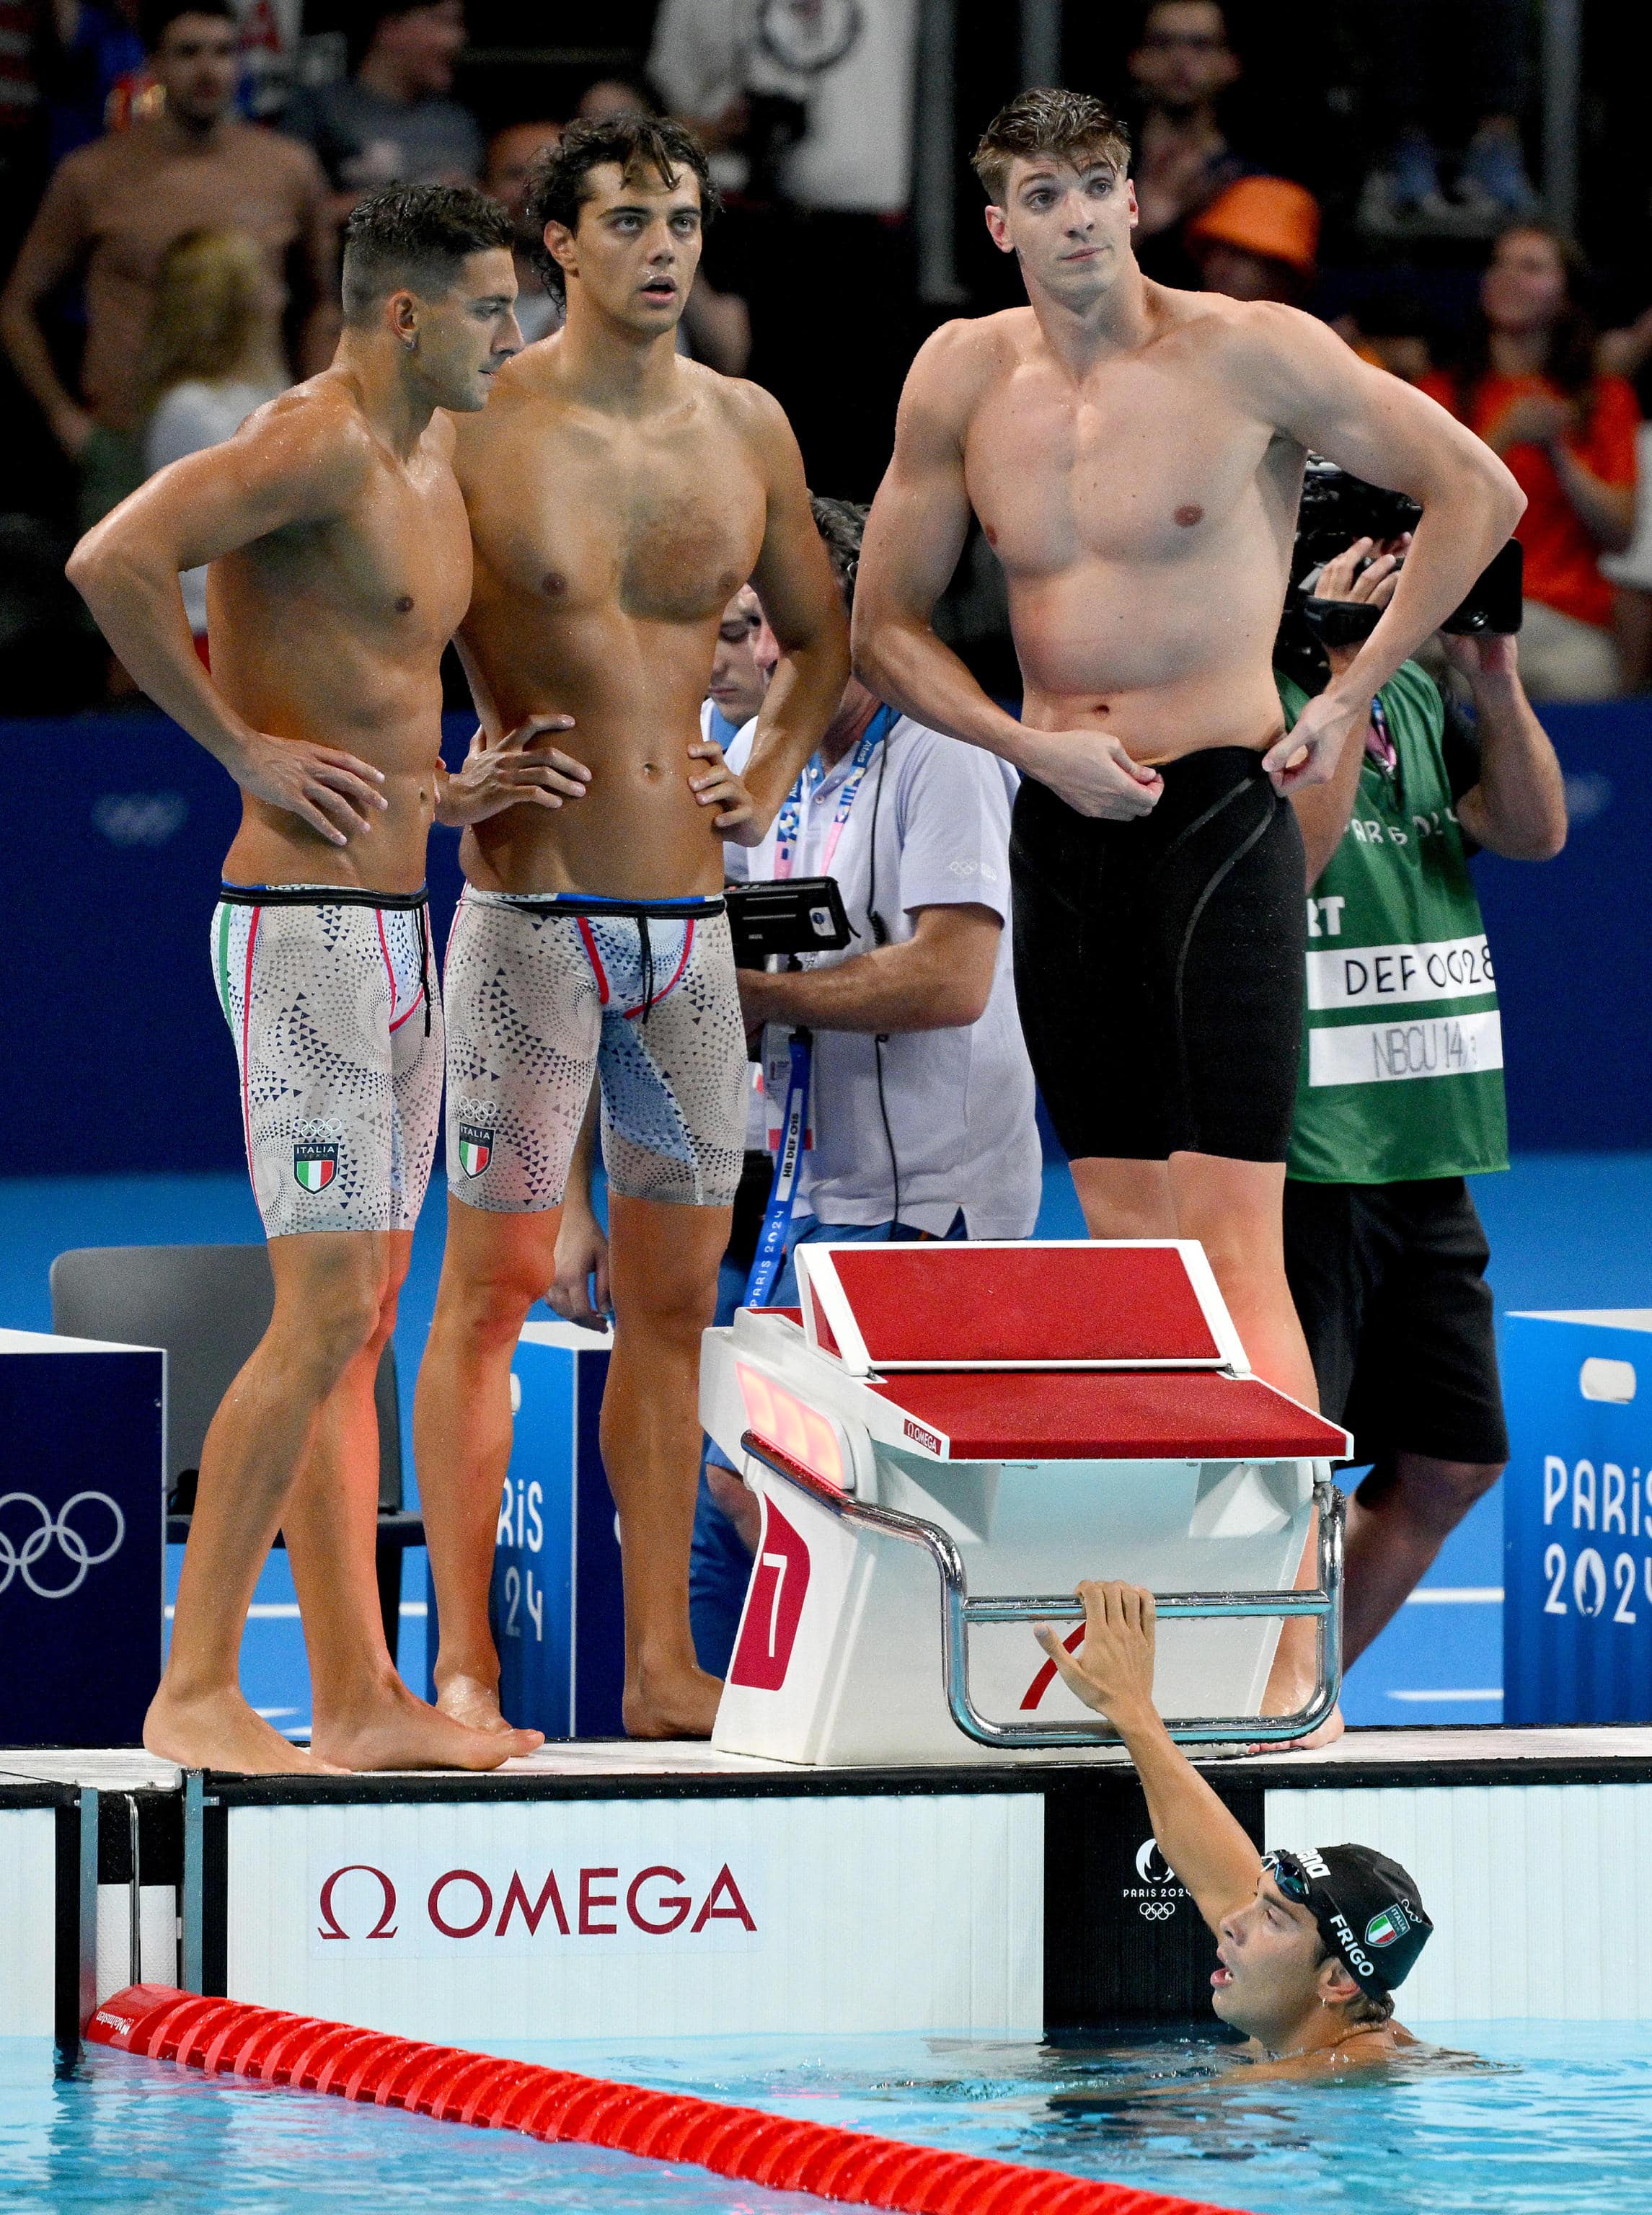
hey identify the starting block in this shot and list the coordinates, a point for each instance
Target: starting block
(986, 1424)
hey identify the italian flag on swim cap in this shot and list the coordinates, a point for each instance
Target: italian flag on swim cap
(1368, 1909)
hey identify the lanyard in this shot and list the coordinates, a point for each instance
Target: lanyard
(788, 1167)
(789, 823)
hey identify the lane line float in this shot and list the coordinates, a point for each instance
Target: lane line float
(232, 2038)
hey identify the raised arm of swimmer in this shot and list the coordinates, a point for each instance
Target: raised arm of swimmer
(914, 537)
(794, 580)
(302, 460)
(1317, 392)
(1113, 1672)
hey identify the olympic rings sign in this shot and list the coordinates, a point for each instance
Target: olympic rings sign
(19, 1559)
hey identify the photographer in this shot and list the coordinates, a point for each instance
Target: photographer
(921, 1097)
(1401, 1092)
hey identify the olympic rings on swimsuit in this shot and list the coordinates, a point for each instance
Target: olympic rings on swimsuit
(19, 1560)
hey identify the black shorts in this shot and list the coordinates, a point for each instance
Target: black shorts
(1159, 964)
(1389, 1282)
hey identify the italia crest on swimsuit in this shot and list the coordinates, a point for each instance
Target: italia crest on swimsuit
(314, 1164)
(475, 1148)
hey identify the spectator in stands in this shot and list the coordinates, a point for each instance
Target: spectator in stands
(1181, 65)
(1401, 1096)
(1531, 389)
(737, 680)
(394, 121)
(1429, 63)
(1628, 353)
(511, 154)
(847, 77)
(112, 210)
(1257, 240)
(91, 50)
(213, 354)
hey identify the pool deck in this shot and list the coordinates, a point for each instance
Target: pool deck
(1605, 1753)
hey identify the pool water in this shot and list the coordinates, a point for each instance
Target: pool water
(1553, 2116)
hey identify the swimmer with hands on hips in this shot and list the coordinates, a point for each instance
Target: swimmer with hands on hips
(619, 496)
(340, 566)
(1313, 1944)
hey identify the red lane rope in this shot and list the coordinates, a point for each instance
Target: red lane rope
(231, 2038)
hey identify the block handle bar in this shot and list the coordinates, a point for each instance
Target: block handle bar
(959, 1612)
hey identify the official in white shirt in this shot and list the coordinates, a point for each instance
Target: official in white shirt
(922, 1099)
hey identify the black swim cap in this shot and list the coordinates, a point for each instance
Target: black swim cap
(1366, 1907)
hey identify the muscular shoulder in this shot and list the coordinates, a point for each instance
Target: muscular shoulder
(750, 412)
(314, 432)
(959, 364)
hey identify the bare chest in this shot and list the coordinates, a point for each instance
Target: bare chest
(658, 528)
(1140, 467)
(396, 566)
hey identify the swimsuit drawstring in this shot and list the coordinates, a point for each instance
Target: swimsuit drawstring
(422, 918)
(645, 948)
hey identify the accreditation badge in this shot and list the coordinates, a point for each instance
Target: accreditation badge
(776, 1080)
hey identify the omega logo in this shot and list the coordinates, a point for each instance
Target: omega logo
(461, 1904)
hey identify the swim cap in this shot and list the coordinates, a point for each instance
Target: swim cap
(1366, 1907)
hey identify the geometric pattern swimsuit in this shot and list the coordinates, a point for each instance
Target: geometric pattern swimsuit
(329, 998)
(543, 993)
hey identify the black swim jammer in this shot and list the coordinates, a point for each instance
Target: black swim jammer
(1159, 964)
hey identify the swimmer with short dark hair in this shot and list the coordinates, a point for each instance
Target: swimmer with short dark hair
(1313, 1944)
(340, 568)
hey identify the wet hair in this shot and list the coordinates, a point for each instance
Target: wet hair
(560, 184)
(1569, 359)
(156, 20)
(416, 235)
(1372, 2005)
(1066, 125)
(841, 525)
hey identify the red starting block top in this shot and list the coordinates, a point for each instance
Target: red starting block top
(1092, 1415)
(1051, 1305)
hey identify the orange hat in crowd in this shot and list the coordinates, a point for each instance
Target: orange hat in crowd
(1267, 216)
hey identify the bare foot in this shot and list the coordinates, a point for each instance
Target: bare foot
(471, 1701)
(1327, 1734)
(389, 1727)
(680, 1704)
(218, 1730)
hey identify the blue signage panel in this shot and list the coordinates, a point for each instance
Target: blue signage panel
(1577, 1518)
(82, 1509)
(555, 1602)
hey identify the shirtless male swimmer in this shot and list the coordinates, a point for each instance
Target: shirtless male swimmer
(341, 564)
(1135, 456)
(618, 496)
(1312, 1943)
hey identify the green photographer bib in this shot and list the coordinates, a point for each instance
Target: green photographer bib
(1402, 1048)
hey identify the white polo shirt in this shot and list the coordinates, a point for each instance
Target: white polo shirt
(960, 1101)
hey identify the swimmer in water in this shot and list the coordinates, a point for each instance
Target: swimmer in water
(1313, 1944)
(1134, 456)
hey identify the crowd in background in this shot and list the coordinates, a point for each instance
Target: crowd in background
(175, 178)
